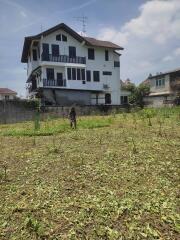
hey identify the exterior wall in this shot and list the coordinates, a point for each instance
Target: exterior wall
(159, 89)
(11, 96)
(98, 64)
(68, 97)
(158, 101)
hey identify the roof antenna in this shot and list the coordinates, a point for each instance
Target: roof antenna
(83, 20)
(41, 28)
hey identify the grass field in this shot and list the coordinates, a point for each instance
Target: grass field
(115, 177)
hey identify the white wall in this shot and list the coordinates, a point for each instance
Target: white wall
(99, 64)
(11, 97)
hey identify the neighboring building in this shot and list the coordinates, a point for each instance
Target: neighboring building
(164, 88)
(124, 93)
(7, 94)
(64, 68)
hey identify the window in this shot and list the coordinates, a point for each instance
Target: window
(96, 76)
(6, 97)
(107, 98)
(160, 82)
(78, 74)
(124, 99)
(55, 50)
(106, 55)
(73, 73)
(91, 53)
(50, 73)
(69, 73)
(34, 55)
(107, 73)
(45, 54)
(72, 52)
(88, 75)
(58, 37)
(83, 74)
(116, 64)
(64, 38)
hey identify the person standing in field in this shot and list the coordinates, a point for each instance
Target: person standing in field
(72, 118)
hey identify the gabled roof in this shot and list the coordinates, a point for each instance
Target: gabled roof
(88, 41)
(7, 91)
(165, 73)
(99, 43)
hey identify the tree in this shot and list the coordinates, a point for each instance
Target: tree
(137, 93)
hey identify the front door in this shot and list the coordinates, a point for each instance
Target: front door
(60, 79)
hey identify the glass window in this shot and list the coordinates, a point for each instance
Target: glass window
(88, 75)
(91, 53)
(64, 38)
(69, 73)
(34, 55)
(58, 37)
(96, 76)
(106, 55)
(73, 73)
(50, 73)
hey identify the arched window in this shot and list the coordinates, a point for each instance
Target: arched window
(107, 98)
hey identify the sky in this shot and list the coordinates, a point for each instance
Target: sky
(149, 31)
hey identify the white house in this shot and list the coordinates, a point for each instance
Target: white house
(164, 88)
(7, 94)
(65, 68)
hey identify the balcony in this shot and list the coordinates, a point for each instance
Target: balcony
(63, 59)
(54, 83)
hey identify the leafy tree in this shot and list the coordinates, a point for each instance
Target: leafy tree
(137, 93)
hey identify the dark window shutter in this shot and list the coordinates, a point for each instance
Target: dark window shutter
(50, 73)
(91, 53)
(96, 76)
(45, 54)
(69, 73)
(116, 64)
(72, 52)
(107, 73)
(83, 74)
(55, 50)
(64, 38)
(78, 74)
(34, 55)
(58, 37)
(73, 73)
(88, 75)
(106, 55)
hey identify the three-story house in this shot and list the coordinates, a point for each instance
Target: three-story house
(65, 68)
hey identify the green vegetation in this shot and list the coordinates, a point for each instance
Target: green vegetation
(115, 177)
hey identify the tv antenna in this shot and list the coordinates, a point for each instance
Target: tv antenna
(83, 20)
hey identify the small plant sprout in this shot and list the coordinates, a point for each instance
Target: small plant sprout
(149, 120)
(134, 148)
(3, 165)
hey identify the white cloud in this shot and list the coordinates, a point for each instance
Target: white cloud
(167, 58)
(148, 38)
(177, 52)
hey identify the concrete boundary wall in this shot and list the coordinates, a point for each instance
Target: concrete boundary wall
(20, 111)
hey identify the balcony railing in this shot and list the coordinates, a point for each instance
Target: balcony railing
(63, 59)
(54, 83)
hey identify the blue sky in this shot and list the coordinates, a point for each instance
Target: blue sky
(148, 30)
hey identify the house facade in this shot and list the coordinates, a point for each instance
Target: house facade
(164, 89)
(65, 68)
(7, 94)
